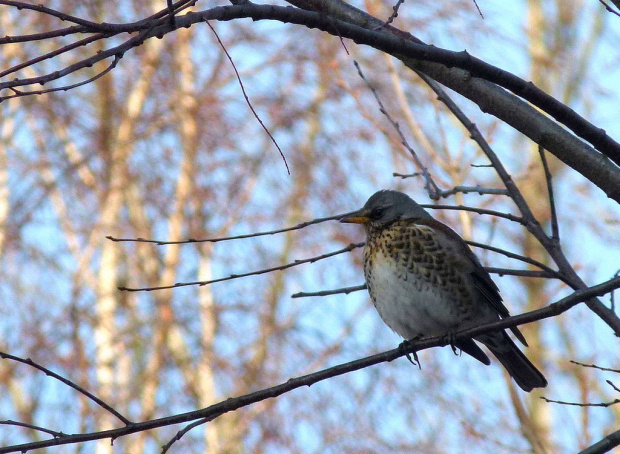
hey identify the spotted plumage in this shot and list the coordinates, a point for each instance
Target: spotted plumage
(425, 281)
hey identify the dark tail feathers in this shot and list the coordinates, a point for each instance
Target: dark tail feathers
(516, 363)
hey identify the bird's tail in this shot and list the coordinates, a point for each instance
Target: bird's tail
(516, 363)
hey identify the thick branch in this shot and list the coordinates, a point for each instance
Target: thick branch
(472, 81)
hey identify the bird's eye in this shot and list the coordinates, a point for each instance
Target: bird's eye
(376, 213)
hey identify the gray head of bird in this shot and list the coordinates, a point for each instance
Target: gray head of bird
(385, 207)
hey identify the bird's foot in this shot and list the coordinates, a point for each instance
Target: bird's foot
(405, 346)
(452, 342)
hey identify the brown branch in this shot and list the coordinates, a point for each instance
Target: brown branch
(19, 94)
(214, 411)
(345, 290)
(228, 238)
(247, 99)
(594, 366)
(522, 258)
(499, 214)
(69, 383)
(350, 247)
(430, 185)
(609, 8)
(605, 445)
(481, 77)
(551, 245)
(578, 404)
(555, 230)
(8, 422)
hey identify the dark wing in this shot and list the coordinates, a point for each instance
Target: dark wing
(482, 280)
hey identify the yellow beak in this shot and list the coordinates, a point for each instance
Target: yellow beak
(357, 217)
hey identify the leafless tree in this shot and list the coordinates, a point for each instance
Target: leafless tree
(171, 269)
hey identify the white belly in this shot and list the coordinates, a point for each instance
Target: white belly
(411, 306)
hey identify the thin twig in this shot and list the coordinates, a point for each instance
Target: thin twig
(345, 290)
(55, 434)
(578, 404)
(521, 273)
(245, 95)
(19, 94)
(350, 247)
(103, 28)
(74, 29)
(594, 366)
(69, 383)
(429, 184)
(165, 448)
(609, 382)
(55, 53)
(478, 8)
(555, 230)
(472, 189)
(499, 214)
(393, 16)
(228, 238)
(512, 255)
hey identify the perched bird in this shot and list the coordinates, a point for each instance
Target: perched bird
(425, 281)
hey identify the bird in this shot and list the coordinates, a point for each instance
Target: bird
(425, 281)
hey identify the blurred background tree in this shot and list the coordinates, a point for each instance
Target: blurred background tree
(165, 147)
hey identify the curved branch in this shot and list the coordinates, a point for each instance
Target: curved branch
(69, 383)
(465, 74)
(214, 411)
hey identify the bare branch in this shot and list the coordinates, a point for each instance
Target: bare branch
(609, 8)
(8, 422)
(555, 230)
(393, 16)
(416, 54)
(429, 184)
(19, 94)
(247, 99)
(236, 237)
(165, 448)
(69, 383)
(475, 189)
(578, 404)
(350, 247)
(499, 214)
(594, 366)
(345, 290)
(214, 411)
(522, 258)
(605, 445)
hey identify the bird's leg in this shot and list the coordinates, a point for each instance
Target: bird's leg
(452, 341)
(405, 346)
